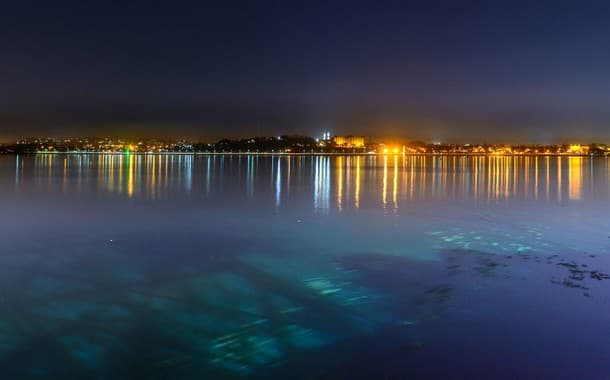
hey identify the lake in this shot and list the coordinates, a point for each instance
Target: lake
(312, 267)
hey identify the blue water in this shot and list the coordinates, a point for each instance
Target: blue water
(301, 267)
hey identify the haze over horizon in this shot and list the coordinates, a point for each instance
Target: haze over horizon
(512, 72)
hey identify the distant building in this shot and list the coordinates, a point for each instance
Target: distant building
(349, 141)
(578, 149)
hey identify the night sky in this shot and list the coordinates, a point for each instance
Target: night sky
(486, 71)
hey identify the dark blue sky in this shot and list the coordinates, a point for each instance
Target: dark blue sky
(435, 70)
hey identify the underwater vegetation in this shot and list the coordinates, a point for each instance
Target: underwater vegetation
(106, 311)
(111, 313)
(578, 276)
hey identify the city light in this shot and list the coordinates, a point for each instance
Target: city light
(286, 144)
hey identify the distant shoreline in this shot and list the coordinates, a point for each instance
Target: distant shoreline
(304, 154)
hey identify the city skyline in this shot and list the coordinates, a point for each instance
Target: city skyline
(286, 144)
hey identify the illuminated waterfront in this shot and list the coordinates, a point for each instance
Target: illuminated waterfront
(186, 266)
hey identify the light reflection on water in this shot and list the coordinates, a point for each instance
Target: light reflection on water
(190, 266)
(336, 182)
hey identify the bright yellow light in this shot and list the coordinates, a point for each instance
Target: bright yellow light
(349, 141)
(577, 149)
(393, 150)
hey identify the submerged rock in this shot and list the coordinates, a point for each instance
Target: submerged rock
(577, 275)
(599, 276)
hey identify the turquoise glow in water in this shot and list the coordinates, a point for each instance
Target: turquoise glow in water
(181, 266)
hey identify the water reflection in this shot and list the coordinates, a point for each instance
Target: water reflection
(322, 182)
(278, 183)
(575, 170)
(245, 290)
(333, 182)
(357, 188)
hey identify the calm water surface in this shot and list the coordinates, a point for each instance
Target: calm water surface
(191, 267)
